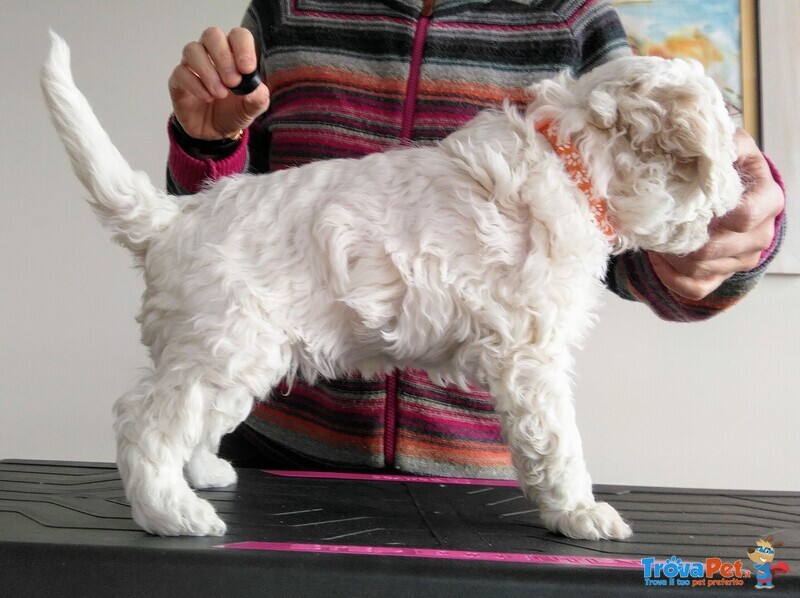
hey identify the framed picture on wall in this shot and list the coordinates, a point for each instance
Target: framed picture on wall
(720, 34)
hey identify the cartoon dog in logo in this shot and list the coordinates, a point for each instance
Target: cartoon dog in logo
(763, 556)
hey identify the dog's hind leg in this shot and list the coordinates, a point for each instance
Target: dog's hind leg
(535, 406)
(173, 420)
(157, 426)
(205, 469)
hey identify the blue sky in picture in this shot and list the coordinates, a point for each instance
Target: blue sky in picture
(718, 19)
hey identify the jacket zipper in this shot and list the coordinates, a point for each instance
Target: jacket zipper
(390, 418)
(420, 33)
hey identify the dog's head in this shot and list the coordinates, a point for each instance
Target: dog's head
(659, 144)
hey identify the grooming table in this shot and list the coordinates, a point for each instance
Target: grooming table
(66, 530)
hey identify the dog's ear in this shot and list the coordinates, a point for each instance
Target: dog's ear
(675, 111)
(601, 109)
(671, 154)
(691, 133)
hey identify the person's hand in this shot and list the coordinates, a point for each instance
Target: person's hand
(198, 86)
(737, 240)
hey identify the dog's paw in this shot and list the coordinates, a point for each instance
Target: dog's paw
(598, 521)
(206, 470)
(190, 516)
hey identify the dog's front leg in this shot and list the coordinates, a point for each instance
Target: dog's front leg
(535, 407)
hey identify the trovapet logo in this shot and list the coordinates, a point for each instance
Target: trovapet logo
(711, 572)
(714, 572)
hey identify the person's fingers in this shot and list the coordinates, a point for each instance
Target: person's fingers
(184, 81)
(691, 287)
(243, 49)
(697, 274)
(763, 199)
(198, 61)
(727, 243)
(215, 42)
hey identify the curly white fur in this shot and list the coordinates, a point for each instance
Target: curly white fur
(476, 259)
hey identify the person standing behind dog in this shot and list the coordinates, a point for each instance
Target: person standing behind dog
(347, 78)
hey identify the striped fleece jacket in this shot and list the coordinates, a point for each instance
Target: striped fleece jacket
(350, 77)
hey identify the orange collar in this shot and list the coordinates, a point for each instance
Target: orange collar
(579, 173)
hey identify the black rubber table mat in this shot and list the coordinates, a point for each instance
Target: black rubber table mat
(65, 529)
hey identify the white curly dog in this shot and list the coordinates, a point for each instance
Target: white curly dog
(479, 259)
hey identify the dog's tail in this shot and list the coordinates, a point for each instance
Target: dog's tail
(125, 200)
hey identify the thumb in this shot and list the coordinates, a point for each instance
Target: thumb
(256, 103)
(239, 112)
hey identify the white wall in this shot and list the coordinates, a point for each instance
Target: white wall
(706, 405)
(779, 21)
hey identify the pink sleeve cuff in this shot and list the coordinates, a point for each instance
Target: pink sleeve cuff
(192, 174)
